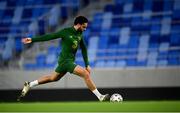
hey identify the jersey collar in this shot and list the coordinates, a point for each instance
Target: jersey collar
(75, 31)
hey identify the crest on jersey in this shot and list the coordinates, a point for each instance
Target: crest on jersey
(70, 36)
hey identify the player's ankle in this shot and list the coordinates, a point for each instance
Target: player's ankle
(33, 83)
(97, 93)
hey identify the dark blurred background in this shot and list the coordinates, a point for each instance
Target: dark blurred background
(133, 48)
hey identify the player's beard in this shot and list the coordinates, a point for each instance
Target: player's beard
(80, 30)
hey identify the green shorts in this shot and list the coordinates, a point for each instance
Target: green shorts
(65, 66)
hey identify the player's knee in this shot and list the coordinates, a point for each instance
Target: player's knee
(86, 75)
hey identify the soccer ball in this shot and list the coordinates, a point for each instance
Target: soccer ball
(116, 98)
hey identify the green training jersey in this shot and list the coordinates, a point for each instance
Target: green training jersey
(71, 40)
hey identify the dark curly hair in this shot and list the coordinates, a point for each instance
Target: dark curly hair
(80, 20)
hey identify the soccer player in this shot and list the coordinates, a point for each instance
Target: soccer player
(71, 39)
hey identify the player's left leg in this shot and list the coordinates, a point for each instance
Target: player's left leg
(80, 71)
(54, 76)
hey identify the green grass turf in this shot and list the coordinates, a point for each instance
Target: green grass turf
(126, 106)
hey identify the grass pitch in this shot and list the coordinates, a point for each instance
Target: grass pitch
(126, 106)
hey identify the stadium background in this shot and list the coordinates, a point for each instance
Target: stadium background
(133, 46)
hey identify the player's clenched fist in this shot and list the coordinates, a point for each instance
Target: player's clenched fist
(26, 40)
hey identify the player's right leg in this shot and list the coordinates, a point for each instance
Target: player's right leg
(80, 71)
(44, 79)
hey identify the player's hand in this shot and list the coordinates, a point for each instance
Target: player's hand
(26, 40)
(88, 68)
